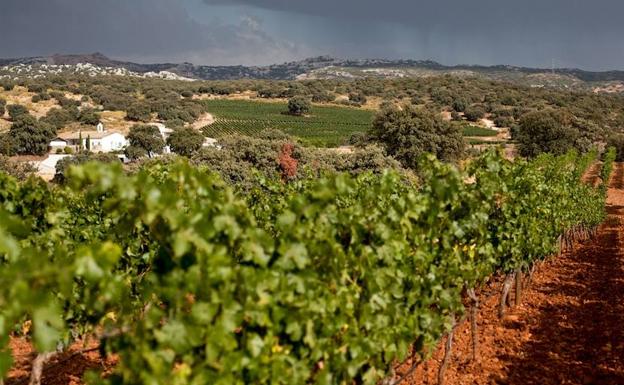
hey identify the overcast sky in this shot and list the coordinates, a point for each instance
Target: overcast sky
(574, 33)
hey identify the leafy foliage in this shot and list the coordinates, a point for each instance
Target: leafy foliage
(409, 132)
(299, 106)
(321, 281)
(474, 113)
(185, 141)
(16, 111)
(139, 112)
(617, 142)
(545, 131)
(29, 136)
(144, 140)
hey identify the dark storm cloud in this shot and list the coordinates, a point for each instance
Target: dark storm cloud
(477, 13)
(575, 32)
(144, 30)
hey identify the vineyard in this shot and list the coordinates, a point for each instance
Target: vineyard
(470, 130)
(325, 281)
(326, 125)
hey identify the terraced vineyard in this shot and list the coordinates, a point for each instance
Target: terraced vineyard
(326, 125)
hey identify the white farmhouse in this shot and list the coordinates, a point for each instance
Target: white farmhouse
(99, 140)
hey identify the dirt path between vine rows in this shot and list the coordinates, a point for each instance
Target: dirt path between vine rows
(569, 328)
(592, 175)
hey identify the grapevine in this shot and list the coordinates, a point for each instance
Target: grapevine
(323, 281)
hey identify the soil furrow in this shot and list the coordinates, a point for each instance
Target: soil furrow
(569, 328)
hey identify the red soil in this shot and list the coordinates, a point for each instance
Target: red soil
(569, 328)
(65, 369)
(592, 176)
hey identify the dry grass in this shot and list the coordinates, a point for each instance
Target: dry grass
(372, 102)
(20, 95)
(203, 121)
(245, 95)
(116, 120)
(4, 125)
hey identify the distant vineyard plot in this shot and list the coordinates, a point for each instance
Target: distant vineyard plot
(469, 130)
(325, 126)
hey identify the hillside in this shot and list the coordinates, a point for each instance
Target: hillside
(324, 67)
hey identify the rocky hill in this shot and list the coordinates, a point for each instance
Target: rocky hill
(325, 67)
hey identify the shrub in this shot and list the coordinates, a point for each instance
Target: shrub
(288, 164)
(357, 98)
(138, 112)
(617, 141)
(58, 118)
(16, 111)
(36, 88)
(408, 132)
(30, 136)
(545, 131)
(459, 105)
(185, 141)
(323, 97)
(144, 140)
(299, 105)
(503, 121)
(7, 145)
(474, 113)
(8, 85)
(67, 102)
(89, 117)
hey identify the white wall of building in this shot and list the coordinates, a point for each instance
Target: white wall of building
(112, 142)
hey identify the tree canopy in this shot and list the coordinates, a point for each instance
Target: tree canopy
(299, 105)
(144, 140)
(29, 136)
(545, 131)
(408, 132)
(185, 141)
(16, 110)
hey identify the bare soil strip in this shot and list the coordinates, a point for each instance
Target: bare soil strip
(569, 328)
(203, 121)
(592, 175)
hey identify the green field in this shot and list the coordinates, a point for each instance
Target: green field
(326, 126)
(469, 130)
(476, 141)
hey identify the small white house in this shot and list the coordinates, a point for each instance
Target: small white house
(99, 140)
